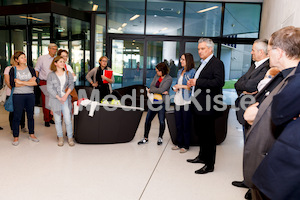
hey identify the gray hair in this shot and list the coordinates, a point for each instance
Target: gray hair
(209, 43)
(262, 44)
(51, 45)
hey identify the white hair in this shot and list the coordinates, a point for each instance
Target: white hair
(209, 43)
(51, 45)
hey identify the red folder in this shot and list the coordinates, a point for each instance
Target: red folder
(108, 74)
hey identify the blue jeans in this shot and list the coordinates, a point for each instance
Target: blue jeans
(67, 119)
(161, 116)
(20, 102)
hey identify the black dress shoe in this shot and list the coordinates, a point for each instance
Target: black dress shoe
(47, 124)
(1, 128)
(248, 195)
(204, 170)
(52, 122)
(239, 184)
(195, 160)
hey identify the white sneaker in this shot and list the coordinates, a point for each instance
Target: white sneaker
(159, 141)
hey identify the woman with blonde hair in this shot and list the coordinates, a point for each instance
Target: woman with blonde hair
(60, 83)
(99, 80)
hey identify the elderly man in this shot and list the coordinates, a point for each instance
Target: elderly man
(208, 82)
(261, 135)
(42, 69)
(247, 86)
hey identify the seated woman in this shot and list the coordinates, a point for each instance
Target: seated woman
(182, 99)
(160, 86)
(22, 81)
(100, 81)
(60, 83)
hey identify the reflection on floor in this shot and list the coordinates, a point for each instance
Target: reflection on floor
(45, 171)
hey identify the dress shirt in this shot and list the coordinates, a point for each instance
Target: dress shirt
(43, 66)
(203, 64)
(259, 63)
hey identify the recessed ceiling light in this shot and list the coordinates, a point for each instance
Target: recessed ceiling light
(32, 18)
(95, 7)
(207, 9)
(134, 17)
(166, 9)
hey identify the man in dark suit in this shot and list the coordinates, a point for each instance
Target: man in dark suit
(207, 91)
(246, 86)
(283, 49)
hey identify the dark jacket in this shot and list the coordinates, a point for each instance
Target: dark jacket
(278, 175)
(210, 82)
(249, 81)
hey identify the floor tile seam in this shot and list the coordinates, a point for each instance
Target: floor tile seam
(153, 171)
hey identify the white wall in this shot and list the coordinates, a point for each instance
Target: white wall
(277, 14)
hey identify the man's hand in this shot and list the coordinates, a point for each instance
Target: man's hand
(250, 113)
(251, 93)
(165, 92)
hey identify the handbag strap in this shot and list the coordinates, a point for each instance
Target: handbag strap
(12, 88)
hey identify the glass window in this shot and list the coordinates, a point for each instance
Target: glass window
(192, 47)
(100, 38)
(203, 19)
(89, 5)
(162, 51)
(237, 60)
(126, 16)
(14, 2)
(241, 20)
(127, 62)
(164, 18)
(63, 2)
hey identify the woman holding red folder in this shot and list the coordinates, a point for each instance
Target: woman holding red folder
(100, 81)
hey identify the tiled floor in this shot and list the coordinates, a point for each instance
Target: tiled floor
(44, 171)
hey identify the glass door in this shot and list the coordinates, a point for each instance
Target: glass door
(127, 62)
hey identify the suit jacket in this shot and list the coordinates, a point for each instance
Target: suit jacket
(249, 81)
(210, 82)
(278, 175)
(260, 138)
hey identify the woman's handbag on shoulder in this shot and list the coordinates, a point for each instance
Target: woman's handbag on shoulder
(9, 105)
(73, 93)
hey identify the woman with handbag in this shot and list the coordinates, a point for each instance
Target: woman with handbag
(22, 81)
(59, 86)
(8, 92)
(160, 87)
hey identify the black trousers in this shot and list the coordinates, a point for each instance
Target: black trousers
(183, 124)
(205, 129)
